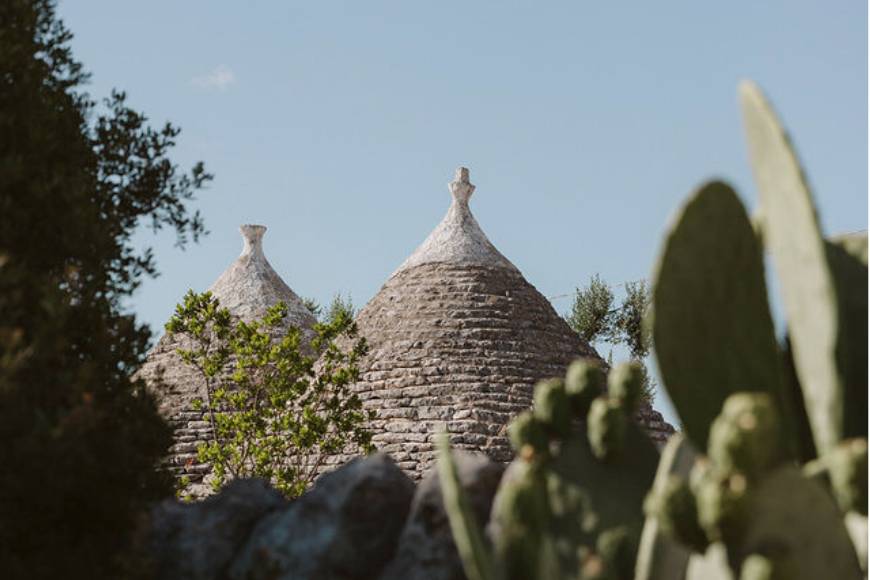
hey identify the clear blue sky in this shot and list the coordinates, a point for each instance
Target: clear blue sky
(338, 124)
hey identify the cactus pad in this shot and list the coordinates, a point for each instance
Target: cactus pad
(711, 322)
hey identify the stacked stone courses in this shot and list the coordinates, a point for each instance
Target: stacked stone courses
(457, 340)
(248, 288)
(457, 348)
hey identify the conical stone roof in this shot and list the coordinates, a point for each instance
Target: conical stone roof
(457, 339)
(248, 288)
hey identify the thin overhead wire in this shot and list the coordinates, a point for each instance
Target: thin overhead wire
(620, 285)
(623, 284)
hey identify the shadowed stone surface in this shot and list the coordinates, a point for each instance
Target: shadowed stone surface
(197, 541)
(426, 550)
(345, 527)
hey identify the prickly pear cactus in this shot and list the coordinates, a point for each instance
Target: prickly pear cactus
(747, 508)
(762, 512)
(830, 354)
(780, 490)
(570, 505)
(712, 329)
(670, 535)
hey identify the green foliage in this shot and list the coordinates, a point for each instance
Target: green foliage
(595, 318)
(630, 319)
(313, 307)
(340, 306)
(672, 521)
(592, 315)
(275, 410)
(80, 439)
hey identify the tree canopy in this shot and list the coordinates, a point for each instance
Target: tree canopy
(598, 319)
(279, 405)
(79, 439)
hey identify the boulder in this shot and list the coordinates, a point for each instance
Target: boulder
(197, 540)
(426, 550)
(345, 527)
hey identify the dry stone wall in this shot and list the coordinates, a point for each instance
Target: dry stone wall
(459, 347)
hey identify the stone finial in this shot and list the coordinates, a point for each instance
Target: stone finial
(253, 236)
(461, 187)
(458, 239)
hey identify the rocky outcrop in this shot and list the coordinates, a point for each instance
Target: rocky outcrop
(426, 550)
(198, 540)
(363, 521)
(346, 527)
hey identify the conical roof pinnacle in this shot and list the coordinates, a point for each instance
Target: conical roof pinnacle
(250, 285)
(458, 239)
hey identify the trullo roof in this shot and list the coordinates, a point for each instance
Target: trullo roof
(248, 288)
(457, 338)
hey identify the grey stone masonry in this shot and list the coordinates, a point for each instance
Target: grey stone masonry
(248, 288)
(458, 338)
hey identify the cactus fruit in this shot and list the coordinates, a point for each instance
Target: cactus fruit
(625, 384)
(745, 436)
(721, 504)
(606, 426)
(528, 436)
(584, 381)
(676, 510)
(847, 470)
(617, 547)
(551, 406)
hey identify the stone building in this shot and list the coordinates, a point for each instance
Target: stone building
(248, 288)
(458, 338)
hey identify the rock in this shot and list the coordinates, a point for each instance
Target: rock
(346, 527)
(188, 541)
(426, 550)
